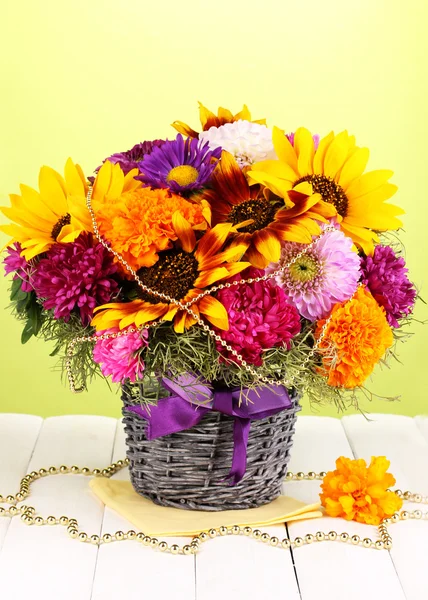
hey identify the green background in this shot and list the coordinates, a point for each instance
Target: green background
(90, 78)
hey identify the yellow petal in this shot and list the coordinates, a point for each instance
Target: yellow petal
(268, 245)
(184, 129)
(305, 150)
(52, 190)
(74, 179)
(102, 181)
(31, 201)
(184, 231)
(336, 154)
(321, 152)
(116, 183)
(278, 186)
(354, 167)
(368, 183)
(214, 311)
(284, 150)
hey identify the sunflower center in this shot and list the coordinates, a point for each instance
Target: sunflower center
(330, 191)
(56, 229)
(174, 274)
(183, 175)
(304, 269)
(261, 212)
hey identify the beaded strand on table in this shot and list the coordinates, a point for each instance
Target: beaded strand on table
(30, 517)
(187, 307)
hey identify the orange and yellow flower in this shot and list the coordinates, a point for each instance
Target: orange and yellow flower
(181, 273)
(336, 171)
(137, 221)
(355, 339)
(56, 213)
(262, 219)
(356, 492)
(210, 119)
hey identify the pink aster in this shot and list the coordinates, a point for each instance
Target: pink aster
(327, 274)
(385, 275)
(16, 263)
(260, 317)
(75, 277)
(120, 357)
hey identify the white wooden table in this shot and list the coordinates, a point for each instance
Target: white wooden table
(42, 562)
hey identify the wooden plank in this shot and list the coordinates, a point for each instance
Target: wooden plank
(422, 423)
(18, 435)
(333, 569)
(401, 440)
(44, 561)
(143, 571)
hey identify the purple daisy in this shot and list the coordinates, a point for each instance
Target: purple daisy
(179, 165)
(385, 275)
(75, 276)
(131, 158)
(16, 263)
(326, 274)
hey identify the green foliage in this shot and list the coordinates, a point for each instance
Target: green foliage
(28, 309)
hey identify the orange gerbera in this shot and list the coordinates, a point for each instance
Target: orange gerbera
(263, 219)
(137, 221)
(210, 119)
(360, 493)
(182, 273)
(355, 339)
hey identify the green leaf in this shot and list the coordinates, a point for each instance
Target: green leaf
(27, 332)
(16, 294)
(34, 313)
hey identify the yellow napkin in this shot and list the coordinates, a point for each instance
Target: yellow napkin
(163, 521)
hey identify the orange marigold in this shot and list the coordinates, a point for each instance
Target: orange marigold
(355, 339)
(138, 224)
(359, 493)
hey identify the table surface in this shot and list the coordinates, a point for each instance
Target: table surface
(42, 562)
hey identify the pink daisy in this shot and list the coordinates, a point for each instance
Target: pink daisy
(120, 357)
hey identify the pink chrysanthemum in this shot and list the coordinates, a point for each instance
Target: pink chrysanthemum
(16, 263)
(260, 318)
(385, 275)
(76, 276)
(327, 274)
(120, 357)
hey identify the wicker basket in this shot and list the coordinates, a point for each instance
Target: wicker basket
(188, 469)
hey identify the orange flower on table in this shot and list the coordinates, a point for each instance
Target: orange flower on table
(355, 339)
(360, 493)
(262, 219)
(137, 221)
(336, 171)
(181, 273)
(56, 213)
(210, 119)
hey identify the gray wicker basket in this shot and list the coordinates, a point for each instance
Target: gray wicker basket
(188, 469)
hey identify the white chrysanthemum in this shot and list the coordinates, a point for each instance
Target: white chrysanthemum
(248, 142)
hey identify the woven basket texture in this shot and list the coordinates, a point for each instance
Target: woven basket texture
(188, 469)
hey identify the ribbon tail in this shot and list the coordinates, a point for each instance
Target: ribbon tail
(241, 430)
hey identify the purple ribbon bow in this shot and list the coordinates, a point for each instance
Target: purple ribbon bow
(190, 401)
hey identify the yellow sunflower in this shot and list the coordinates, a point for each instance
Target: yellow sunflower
(182, 273)
(336, 171)
(57, 213)
(210, 119)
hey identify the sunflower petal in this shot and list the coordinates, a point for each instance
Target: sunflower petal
(52, 190)
(102, 181)
(336, 154)
(184, 129)
(321, 152)
(207, 278)
(212, 241)
(184, 231)
(76, 185)
(268, 244)
(368, 183)
(354, 167)
(116, 183)
(214, 311)
(284, 150)
(305, 150)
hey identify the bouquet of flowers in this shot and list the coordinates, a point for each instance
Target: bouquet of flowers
(239, 256)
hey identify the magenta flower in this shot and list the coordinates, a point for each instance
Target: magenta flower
(129, 160)
(326, 274)
(260, 317)
(385, 275)
(77, 276)
(16, 263)
(120, 357)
